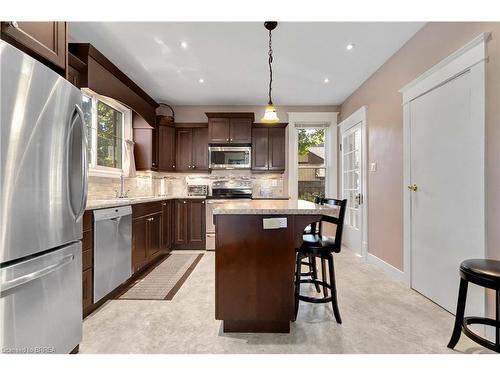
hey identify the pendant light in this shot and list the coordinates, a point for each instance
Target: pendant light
(270, 116)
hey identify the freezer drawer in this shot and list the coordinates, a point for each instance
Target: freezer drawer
(112, 249)
(41, 303)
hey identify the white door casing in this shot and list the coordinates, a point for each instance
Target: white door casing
(354, 180)
(444, 156)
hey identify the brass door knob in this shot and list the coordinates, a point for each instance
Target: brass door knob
(412, 187)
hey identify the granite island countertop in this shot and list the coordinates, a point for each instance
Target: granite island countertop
(274, 207)
(95, 204)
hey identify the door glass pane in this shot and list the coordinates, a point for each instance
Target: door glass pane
(311, 159)
(351, 146)
(109, 136)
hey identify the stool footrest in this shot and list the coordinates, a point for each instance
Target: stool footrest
(318, 282)
(475, 337)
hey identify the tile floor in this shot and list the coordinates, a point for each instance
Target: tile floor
(379, 315)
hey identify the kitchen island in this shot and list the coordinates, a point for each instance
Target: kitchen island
(255, 261)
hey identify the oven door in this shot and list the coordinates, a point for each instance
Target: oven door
(229, 157)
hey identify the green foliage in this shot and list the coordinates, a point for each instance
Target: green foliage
(310, 138)
(306, 196)
(108, 136)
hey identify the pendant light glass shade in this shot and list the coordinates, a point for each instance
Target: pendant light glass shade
(270, 116)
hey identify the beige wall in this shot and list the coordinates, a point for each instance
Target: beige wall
(196, 113)
(430, 45)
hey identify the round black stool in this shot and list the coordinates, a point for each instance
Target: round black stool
(486, 273)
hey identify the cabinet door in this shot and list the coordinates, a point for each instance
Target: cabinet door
(46, 40)
(139, 243)
(180, 223)
(154, 149)
(277, 149)
(260, 149)
(196, 224)
(200, 149)
(87, 287)
(184, 146)
(219, 130)
(154, 227)
(167, 225)
(240, 130)
(166, 148)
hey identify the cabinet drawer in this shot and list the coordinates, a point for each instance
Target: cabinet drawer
(88, 240)
(87, 259)
(143, 209)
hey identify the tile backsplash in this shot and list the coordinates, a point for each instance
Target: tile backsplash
(147, 184)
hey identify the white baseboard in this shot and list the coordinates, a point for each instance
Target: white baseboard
(386, 267)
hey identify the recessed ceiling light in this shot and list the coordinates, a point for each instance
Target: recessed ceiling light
(326, 80)
(201, 80)
(184, 44)
(349, 47)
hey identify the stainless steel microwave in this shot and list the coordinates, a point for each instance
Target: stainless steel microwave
(229, 157)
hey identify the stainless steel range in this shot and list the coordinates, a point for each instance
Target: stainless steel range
(224, 192)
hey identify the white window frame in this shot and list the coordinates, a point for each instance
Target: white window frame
(324, 120)
(99, 170)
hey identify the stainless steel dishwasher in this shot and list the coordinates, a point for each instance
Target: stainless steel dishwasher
(112, 249)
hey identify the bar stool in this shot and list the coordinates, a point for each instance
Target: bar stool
(312, 228)
(486, 273)
(316, 245)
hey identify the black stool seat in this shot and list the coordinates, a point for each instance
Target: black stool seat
(315, 244)
(486, 273)
(481, 271)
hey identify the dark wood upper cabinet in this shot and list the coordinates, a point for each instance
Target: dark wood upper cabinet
(240, 130)
(260, 149)
(191, 149)
(146, 144)
(230, 127)
(45, 41)
(277, 149)
(219, 130)
(184, 147)
(200, 149)
(269, 147)
(166, 148)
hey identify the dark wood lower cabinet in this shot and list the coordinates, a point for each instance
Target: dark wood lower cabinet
(189, 224)
(139, 243)
(157, 227)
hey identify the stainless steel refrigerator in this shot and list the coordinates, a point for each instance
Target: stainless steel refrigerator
(43, 184)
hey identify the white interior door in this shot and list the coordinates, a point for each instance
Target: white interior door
(447, 208)
(352, 175)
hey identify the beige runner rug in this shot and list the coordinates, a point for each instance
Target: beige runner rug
(163, 282)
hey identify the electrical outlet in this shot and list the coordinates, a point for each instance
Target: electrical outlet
(274, 223)
(373, 167)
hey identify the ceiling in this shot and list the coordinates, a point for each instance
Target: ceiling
(231, 58)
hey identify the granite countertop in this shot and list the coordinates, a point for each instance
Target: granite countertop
(274, 207)
(95, 204)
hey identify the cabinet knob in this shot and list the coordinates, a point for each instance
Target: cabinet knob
(202, 202)
(184, 202)
(227, 140)
(163, 204)
(14, 24)
(173, 166)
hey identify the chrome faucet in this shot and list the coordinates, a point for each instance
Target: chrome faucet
(122, 193)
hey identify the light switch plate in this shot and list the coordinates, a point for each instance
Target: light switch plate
(373, 167)
(274, 223)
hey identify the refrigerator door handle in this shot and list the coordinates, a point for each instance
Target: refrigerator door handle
(18, 281)
(85, 165)
(71, 146)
